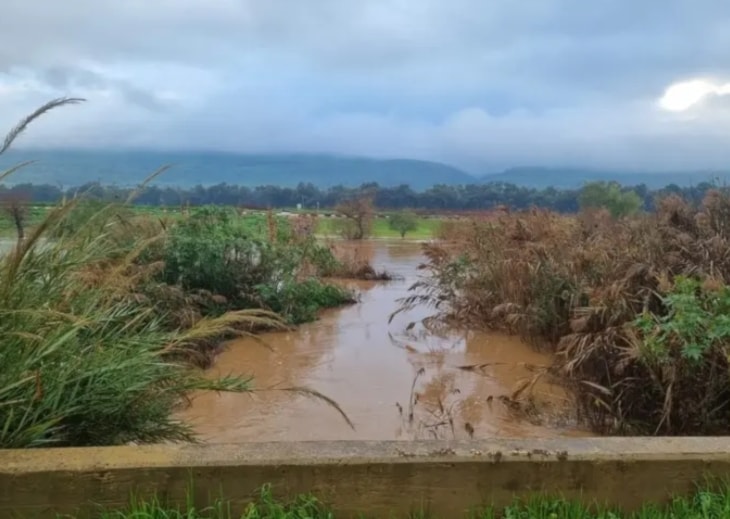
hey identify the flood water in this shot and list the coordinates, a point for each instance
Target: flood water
(380, 374)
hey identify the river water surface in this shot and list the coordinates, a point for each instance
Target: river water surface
(380, 374)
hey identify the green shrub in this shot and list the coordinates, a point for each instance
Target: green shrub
(300, 301)
(697, 321)
(209, 251)
(216, 250)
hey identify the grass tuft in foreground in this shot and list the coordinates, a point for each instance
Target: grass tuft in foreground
(703, 505)
(104, 315)
(86, 360)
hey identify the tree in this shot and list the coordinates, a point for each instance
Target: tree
(358, 214)
(608, 195)
(403, 222)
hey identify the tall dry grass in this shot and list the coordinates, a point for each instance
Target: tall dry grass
(635, 309)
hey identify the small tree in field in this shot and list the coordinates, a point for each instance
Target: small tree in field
(403, 222)
(358, 214)
(609, 195)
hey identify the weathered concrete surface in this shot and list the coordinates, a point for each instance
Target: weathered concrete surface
(378, 478)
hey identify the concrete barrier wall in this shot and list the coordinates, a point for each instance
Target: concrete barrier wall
(377, 478)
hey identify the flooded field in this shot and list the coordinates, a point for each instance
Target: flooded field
(393, 383)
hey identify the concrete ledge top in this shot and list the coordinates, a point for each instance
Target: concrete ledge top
(363, 452)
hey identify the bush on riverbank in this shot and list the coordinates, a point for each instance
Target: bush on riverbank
(213, 250)
(635, 309)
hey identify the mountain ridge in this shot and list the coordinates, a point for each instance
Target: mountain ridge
(207, 168)
(190, 168)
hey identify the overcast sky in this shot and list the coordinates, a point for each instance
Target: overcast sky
(482, 84)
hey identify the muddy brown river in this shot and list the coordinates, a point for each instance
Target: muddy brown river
(393, 383)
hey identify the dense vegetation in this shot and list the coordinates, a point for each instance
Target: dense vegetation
(105, 313)
(635, 308)
(87, 356)
(437, 198)
(705, 504)
(251, 263)
(104, 323)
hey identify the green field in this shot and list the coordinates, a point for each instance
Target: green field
(427, 228)
(703, 505)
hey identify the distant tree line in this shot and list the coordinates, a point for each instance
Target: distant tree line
(472, 197)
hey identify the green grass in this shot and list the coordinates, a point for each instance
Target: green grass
(427, 227)
(703, 505)
(86, 356)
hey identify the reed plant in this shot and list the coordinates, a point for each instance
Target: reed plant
(97, 347)
(634, 309)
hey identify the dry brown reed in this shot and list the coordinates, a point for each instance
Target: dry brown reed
(578, 286)
(304, 226)
(353, 261)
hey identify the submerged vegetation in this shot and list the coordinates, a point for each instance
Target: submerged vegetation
(635, 309)
(106, 313)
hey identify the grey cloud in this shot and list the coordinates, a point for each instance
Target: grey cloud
(351, 32)
(78, 79)
(473, 82)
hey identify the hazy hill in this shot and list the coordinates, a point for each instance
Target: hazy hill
(575, 178)
(207, 168)
(125, 168)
